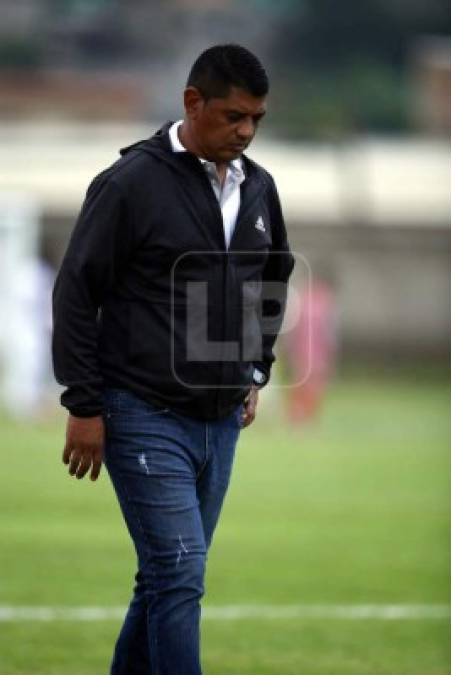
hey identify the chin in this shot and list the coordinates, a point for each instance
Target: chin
(229, 155)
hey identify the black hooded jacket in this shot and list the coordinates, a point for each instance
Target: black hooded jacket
(149, 299)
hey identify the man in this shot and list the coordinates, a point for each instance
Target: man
(163, 333)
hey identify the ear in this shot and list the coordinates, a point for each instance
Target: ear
(193, 102)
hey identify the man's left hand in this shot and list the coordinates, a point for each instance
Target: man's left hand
(250, 407)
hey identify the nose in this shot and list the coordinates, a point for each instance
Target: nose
(246, 129)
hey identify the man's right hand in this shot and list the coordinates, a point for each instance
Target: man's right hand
(85, 438)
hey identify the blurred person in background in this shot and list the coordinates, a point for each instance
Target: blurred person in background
(310, 347)
(27, 332)
(166, 420)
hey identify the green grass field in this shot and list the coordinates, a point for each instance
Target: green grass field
(352, 510)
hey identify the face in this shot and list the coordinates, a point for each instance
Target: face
(222, 128)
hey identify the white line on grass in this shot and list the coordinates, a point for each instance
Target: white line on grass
(237, 612)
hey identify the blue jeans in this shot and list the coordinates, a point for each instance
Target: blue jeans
(170, 474)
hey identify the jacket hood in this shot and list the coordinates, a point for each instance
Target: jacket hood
(159, 141)
(159, 145)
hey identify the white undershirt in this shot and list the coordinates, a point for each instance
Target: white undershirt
(228, 195)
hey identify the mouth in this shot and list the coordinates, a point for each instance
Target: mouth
(238, 147)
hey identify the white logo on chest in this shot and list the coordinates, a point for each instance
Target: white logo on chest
(260, 225)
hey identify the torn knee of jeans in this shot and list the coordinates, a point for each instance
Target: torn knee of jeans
(142, 459)
(182, 550)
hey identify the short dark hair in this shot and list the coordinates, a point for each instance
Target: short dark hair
(221, 67)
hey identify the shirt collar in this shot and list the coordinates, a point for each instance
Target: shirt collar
(236, 165)
(174, 137)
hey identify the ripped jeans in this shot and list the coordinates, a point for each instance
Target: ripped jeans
(170, 474)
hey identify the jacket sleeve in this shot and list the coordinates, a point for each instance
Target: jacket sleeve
(96, 255)
(276, 274)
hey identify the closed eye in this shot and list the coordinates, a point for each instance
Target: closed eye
(235, 117)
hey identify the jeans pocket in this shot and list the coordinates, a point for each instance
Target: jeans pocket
(151, 411)
(123, 404)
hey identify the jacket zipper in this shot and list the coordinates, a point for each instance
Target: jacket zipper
(225, 268)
